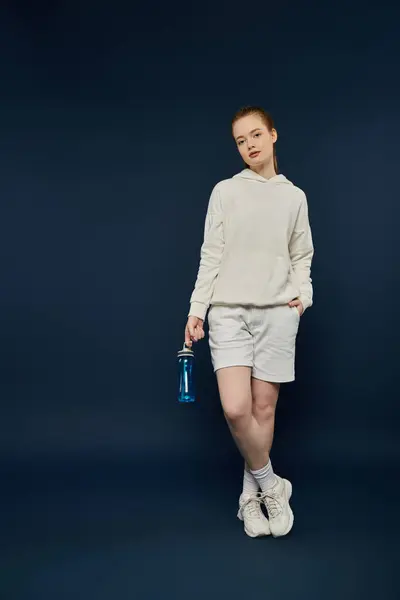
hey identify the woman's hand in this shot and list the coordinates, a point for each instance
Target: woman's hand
(194, 330)
(298, 304)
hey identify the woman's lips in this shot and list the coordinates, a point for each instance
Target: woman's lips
(254, 154)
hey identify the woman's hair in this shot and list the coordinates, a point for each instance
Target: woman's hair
(264, 115)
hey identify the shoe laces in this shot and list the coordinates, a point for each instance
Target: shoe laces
(251, 506)
(273, 502)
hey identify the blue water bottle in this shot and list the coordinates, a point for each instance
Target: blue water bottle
(186, 388)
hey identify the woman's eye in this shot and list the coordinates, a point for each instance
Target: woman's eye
(257, 134)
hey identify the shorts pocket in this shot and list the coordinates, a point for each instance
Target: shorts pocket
(297, 311)
(211, 313)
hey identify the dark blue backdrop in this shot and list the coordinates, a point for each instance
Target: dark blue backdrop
(115, 126)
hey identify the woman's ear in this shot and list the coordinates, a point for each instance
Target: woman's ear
(274, 135)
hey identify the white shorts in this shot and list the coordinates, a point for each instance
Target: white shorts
(263, 338)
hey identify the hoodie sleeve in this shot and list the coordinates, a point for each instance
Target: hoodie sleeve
(301, 251)
(210, 257)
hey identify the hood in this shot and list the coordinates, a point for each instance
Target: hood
(249, 174)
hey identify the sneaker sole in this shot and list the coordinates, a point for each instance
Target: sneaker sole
(288, 490)
(252, 535)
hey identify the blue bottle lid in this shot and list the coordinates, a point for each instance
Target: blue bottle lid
(185, 352)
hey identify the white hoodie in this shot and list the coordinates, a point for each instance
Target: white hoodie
(257, 247)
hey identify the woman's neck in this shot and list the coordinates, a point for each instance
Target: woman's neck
(266, 170)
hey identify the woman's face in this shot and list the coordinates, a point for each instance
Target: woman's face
(254, 141)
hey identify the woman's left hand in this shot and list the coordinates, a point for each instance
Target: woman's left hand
(298, 304)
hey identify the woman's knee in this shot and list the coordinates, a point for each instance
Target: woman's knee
(235, 393)
(264, 411)
(237, 412)
(264, 397)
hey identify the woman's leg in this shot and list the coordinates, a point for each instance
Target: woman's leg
(264, 400)
(253, 437)
(265, 397)
(234, 385)
(276, 491)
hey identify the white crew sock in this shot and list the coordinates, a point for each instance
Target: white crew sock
(265, 477)
(250, 485)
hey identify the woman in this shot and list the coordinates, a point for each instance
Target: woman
(254, 277)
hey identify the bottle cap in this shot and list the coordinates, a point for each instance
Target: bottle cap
(185, 351)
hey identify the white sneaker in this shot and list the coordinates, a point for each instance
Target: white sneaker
(276, 501)
(255, 522)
